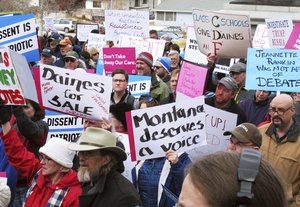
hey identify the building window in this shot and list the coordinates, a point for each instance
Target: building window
(137, 3)
(160, 16)
(145, 2)
(96, 4)
(170, 16)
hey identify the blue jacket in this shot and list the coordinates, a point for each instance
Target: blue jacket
(148, 179)
(11, 173)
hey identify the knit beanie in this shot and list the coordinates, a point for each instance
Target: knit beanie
(146, 57)
(5, 195)
(119, 112)
(57, 149)
(165, 63)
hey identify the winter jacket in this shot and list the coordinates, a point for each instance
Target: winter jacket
(243, 94)
(126, 98)
(284, 156)
(112, 190)
(233, 108)
(153, 173)
(256, 112)
(28, 165)
(158, 90)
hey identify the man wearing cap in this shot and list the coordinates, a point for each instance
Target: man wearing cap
(102, 184)
(162, 68)
(51, 180)
(245, 135)
(65, 45)
(72, 60)
(158, 90)
(238, 72)
(47, 56)
(281, 143)
(224, 98)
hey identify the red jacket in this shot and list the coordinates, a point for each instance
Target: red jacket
(27, 165)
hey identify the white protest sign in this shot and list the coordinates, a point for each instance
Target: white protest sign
(261, 38)
(217, 122)
(75, 93)
(131, 22)
(178, 126)
(152, 46)
(279, 31)
(16, 81)
(83, 31)
(49, 23)
(224, 35)
(192, 52)
(97, 41)
(128, 164)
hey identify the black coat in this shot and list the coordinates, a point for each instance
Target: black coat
(113, 190)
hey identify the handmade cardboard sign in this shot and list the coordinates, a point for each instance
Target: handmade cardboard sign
(178, 126)
(224, 35)
(79, 94)
(273, 70)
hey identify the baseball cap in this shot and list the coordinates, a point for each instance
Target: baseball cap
(72, 54)
(47, 52)
(238, 68)
(229, 83)
(246, 132)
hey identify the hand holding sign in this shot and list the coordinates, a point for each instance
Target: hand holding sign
(172, 157)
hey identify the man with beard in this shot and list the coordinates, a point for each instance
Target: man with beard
(102, 184)
(223, 99)
(281, 142)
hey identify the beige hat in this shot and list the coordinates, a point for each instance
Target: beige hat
(96, 138)
(246, 132)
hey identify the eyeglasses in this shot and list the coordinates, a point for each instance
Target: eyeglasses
(88, 154)
(95, 54)
(45, 158)
(156, 67)
(118, 80)
(69, 60)
(235, 142)
(280, 111)
(62, 46)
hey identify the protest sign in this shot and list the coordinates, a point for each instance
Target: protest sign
(293, 42)
(178, 126)
(63, 126)
(138, 85)
(192, 52)
(128, 164)
(83, 31)
(273, 70)
(217, 122)
(131, 22)
(19, 34)
(154, 47)
(261, 38)
(191, 81)
(16, 81)
(49, 23)
(118, 57)
(224, 35)
(75, 93)
(279, 30)
(97, 41)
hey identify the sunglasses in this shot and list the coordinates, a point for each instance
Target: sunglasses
(96, 54)
(69, 60)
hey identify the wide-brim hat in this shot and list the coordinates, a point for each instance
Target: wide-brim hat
(96, 138)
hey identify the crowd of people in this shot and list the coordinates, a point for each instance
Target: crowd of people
(89, 171)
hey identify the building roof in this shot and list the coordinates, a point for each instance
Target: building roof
(189, 5)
